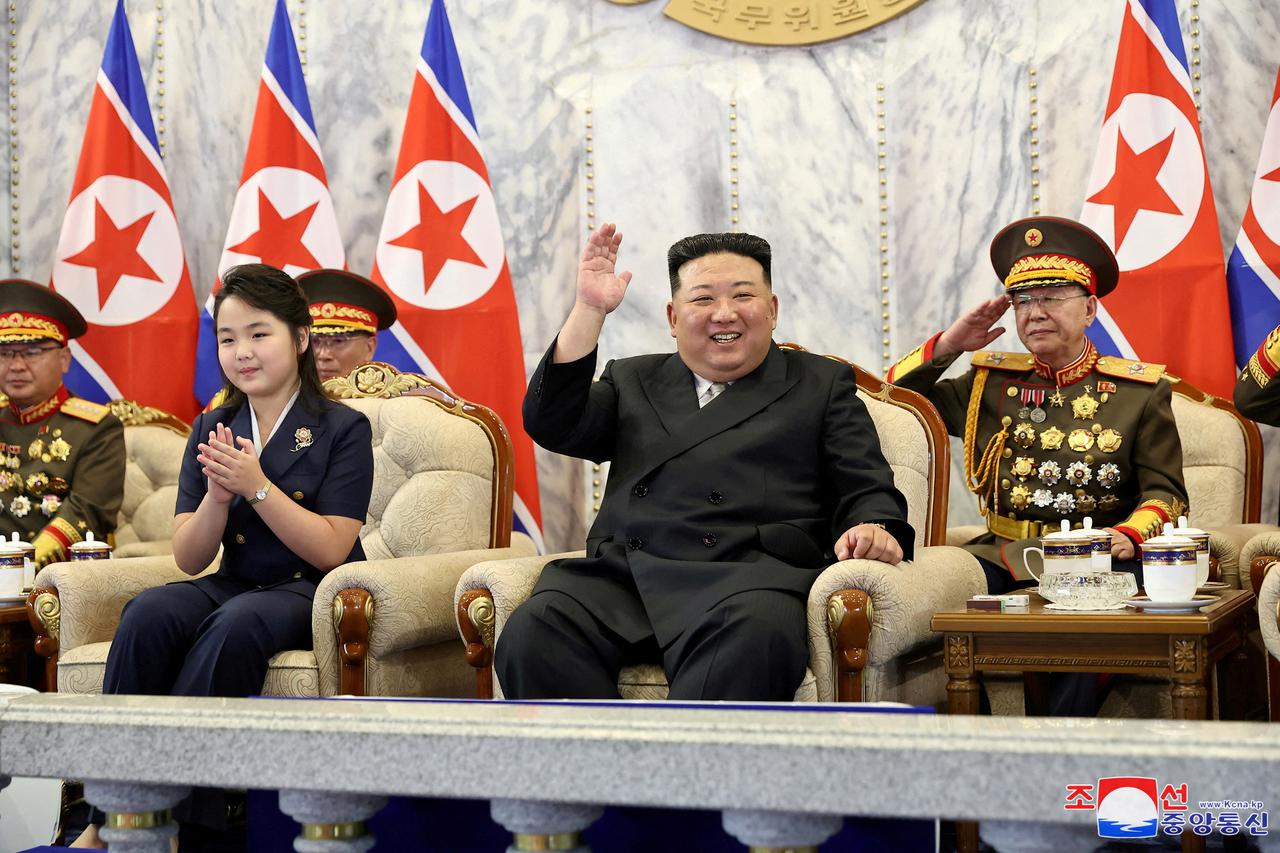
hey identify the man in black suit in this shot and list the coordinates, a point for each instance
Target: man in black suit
(739, 471)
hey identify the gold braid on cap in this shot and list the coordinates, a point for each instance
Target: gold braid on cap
(980, 478)
(20, 326)
(334, 317)
(1048, 268)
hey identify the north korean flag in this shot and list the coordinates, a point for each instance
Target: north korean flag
(119, 258)
(441, 256)
(1253, 271)
(1149, 197)
(283, 214)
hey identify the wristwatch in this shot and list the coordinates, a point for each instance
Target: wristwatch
(260, 495)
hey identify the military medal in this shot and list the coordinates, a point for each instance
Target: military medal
(1024, 435)
(1108, 475)
(1042, 497)
(49, 505)
(1050, 472)
(1051, 439)
(1024, 413)
(1084, 407)
(58, 486)
(1032, 397)
(1080, 440)
(37, 483)
(59, 449)
(1078, 472)
(1109, 440)
(1086, 503)
(1019, 497)
(1108, 502)
(1056, 399)
(1023, 467)
(1064, 502)
(35, 449)
(20, 506)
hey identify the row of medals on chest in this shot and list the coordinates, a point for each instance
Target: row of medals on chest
(1078, 473)
(46, 447)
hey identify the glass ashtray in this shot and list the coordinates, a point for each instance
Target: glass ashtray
(1087, 590)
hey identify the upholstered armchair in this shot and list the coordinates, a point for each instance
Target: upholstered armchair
(441, 502)
(154, 441)
(1269, 622)
(869, 636)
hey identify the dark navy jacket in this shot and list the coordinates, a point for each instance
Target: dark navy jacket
(323, 460)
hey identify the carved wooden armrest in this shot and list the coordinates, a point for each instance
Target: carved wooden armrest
(44, 613)
(476, 615)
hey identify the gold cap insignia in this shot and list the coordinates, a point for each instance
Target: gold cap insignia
(1033, 237)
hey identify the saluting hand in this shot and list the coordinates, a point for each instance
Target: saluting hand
(869, 542)
(231, 464)
(600, 286)
(975, 329)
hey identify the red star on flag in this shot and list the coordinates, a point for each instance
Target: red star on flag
(278, 240)
(114, 252)
(438, 236)
(1133, 185)
(1273, 175)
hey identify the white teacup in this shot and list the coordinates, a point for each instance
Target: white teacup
(1169, 570)
(1061, 553)
(11, 572)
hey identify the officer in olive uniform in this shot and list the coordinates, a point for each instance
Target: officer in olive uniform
(1059, 432)
(1258, 391)
(347, 311)
(61, 458)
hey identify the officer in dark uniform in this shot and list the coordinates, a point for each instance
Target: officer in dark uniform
(1059, 432)
(1258, 391)
(347, 310)
(61, 457)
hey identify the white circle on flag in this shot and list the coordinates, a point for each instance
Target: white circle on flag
(458, 282)
(1266, 194)
(1146, 120)
(289, 191)
(133, 298)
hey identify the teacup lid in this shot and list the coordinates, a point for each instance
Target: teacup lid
(10, 549)
(1096, 532)
(19, 543)
(1184, 528)
(90, 544)
(1066, 532)
(1167, 539)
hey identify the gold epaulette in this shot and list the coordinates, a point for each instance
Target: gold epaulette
(85, 410)
(1019, 361)
(4, 400)
(1138, 371)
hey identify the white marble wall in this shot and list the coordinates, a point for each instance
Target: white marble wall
(957, 153)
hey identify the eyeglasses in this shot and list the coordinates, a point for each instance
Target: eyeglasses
(334, 341)
(1023, 301)
(8, 356)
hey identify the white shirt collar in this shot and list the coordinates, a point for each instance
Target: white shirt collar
(701, 385)
(258, 441)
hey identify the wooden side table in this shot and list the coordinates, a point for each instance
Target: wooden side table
(1183, 647)
(16, 647)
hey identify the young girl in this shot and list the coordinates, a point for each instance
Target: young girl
(279, 476)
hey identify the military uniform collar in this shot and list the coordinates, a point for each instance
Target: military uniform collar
(1073, 372)
(39, 411)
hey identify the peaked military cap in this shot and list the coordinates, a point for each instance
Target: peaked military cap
(344, 302)
(1044, 251)
(33, 312)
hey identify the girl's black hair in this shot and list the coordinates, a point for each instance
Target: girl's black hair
(274, 291)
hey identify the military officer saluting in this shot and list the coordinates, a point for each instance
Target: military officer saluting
(1059, 432)
(347, 311)
(63, 457)
(1257, 393)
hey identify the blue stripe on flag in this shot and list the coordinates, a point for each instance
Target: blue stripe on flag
(282, 59)
(1255, 311)
(80, 383)
(120, 64)
(393, 353)
(209, 379)
(1164, 13)
(1105, 345)
(440, 53)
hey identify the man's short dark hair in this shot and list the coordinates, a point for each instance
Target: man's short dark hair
(734, 243)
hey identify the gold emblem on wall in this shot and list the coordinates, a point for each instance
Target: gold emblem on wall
(799, 22)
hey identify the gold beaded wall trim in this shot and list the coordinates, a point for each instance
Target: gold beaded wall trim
(300, 6)
(733, 163)
(1034, 143)
(589, 161)
(1195, 54)
(159, 66)
(15, 208)
(882, 169)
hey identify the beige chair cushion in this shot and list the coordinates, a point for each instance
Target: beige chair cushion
(1213, 463)
(902, 439)
(433, 480)
(647, 682)
(150, 484)
(294, 674)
